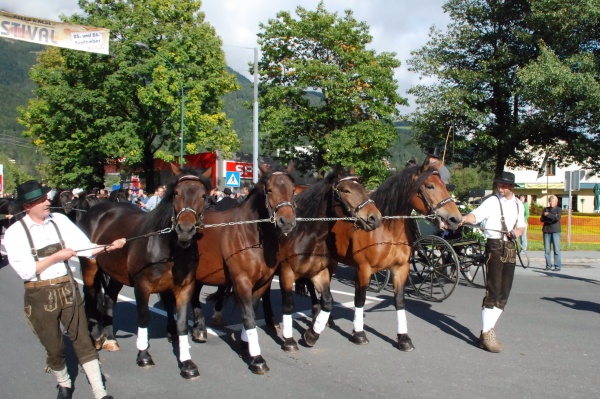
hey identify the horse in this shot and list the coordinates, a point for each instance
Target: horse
(161, 255)
(243, 255)
(390, 246)
(305, 252)
(119, 195)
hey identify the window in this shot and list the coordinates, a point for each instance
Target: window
(551, 168)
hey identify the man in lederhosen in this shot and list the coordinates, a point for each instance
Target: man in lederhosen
(502, 216)
(39, 248)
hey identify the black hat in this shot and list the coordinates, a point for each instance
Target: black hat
(30, 191)
(506, 178)
(227, 191)
(434, 152)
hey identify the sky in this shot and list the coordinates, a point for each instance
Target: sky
(398, 26)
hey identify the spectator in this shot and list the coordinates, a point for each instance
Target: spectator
(244, 194)
(142, 199)
(551, 219)
(227, 202)
(155, 199)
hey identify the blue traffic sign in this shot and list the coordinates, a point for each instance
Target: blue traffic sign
(232, 179)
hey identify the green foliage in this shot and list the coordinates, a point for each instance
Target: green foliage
(469, 178)
(491, 70)
(353, 121)
(90, 108)
(13, 175)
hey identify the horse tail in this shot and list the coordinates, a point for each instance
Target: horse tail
(222, 293)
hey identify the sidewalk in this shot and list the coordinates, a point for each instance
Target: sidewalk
(569, 258)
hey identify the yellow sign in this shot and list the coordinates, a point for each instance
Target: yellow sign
(50, 33)
(543, 186)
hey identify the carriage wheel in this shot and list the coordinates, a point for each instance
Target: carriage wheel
(472, 264)
(379, 280)
(435, 268)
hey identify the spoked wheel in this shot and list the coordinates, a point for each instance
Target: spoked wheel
(379, 280)
(472, 264)
(435, 268)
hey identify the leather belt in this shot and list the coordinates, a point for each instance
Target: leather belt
(44, 283)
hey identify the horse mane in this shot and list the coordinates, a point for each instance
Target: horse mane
(309, 202)
(118, 195)
(392, 197)
(160, 217)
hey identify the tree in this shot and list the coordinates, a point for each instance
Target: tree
(125, 107)
(479, 91)
(324, 97)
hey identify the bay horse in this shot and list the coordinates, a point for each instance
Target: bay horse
(390, 246)
(160, 256)
(243, 256)
(305, 252)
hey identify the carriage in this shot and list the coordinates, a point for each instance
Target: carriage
(439, 256)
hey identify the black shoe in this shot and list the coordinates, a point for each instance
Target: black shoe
(107, 397)
(548, 269)
(556, 269)
(64, 393)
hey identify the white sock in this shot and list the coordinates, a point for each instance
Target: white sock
(184, 348)
(489, 317)
(62, 377)
(287, 326)
(321, 321)
(244, 335)
(253, 346)
(94, 376)
(402, 323)
(142, 339)
(359, 323)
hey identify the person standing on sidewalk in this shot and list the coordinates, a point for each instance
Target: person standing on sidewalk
(551, 219)
(523, 199)
(502, 216)
(39, 248)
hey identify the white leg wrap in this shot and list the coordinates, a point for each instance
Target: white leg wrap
(359, 323)
(489, 317)
(402, 323)
(184, 348)
(244, 335)
(321, 321)
(62, 377)
(287, 326)
(142, 339)
(253, 346)
(94, 376)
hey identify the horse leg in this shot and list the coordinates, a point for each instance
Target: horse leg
(92, 296)
(361, 282)
(286, 282)
(142, 296)
(217, 318)
(188, 369)
(199, 331)
(168, 300)
(268, 310)
(250, 349)
(404, 342)
(111, 293)
(322, 283)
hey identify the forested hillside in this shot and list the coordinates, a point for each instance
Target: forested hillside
(16, 58)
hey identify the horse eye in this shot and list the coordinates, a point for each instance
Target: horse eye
(430, 186)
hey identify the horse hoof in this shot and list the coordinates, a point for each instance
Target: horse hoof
(258, 365)
(200, 336)
(99, 343)
(111, 345)
(244, 351)
(359, 338)
(311, 337)
(405, 343)
(273, 325)
(144, 359)
(217, 320)
(189, 370)
(290, 345)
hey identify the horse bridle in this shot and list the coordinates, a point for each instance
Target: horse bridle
(336, 195)
(175, 219)
(433, 210)
(273, 210)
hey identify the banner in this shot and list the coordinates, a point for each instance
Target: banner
(51, 33)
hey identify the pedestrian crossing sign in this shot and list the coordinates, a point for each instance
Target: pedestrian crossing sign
(232, 179)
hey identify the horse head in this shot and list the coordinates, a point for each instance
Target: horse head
(188, 195)
(353, 199)
(278, 188)
(433, 198)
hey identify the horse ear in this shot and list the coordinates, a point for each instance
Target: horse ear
(351, 170)
(290, 167)
(175, 168)
(264, 168)
(207, 173)
(338, 169)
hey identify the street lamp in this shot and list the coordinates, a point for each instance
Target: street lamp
(179, 77)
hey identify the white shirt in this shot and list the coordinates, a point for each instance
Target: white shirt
(153, 202)
(18, 249)
(489, 214)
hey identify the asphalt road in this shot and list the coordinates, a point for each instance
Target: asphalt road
(550, 330)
